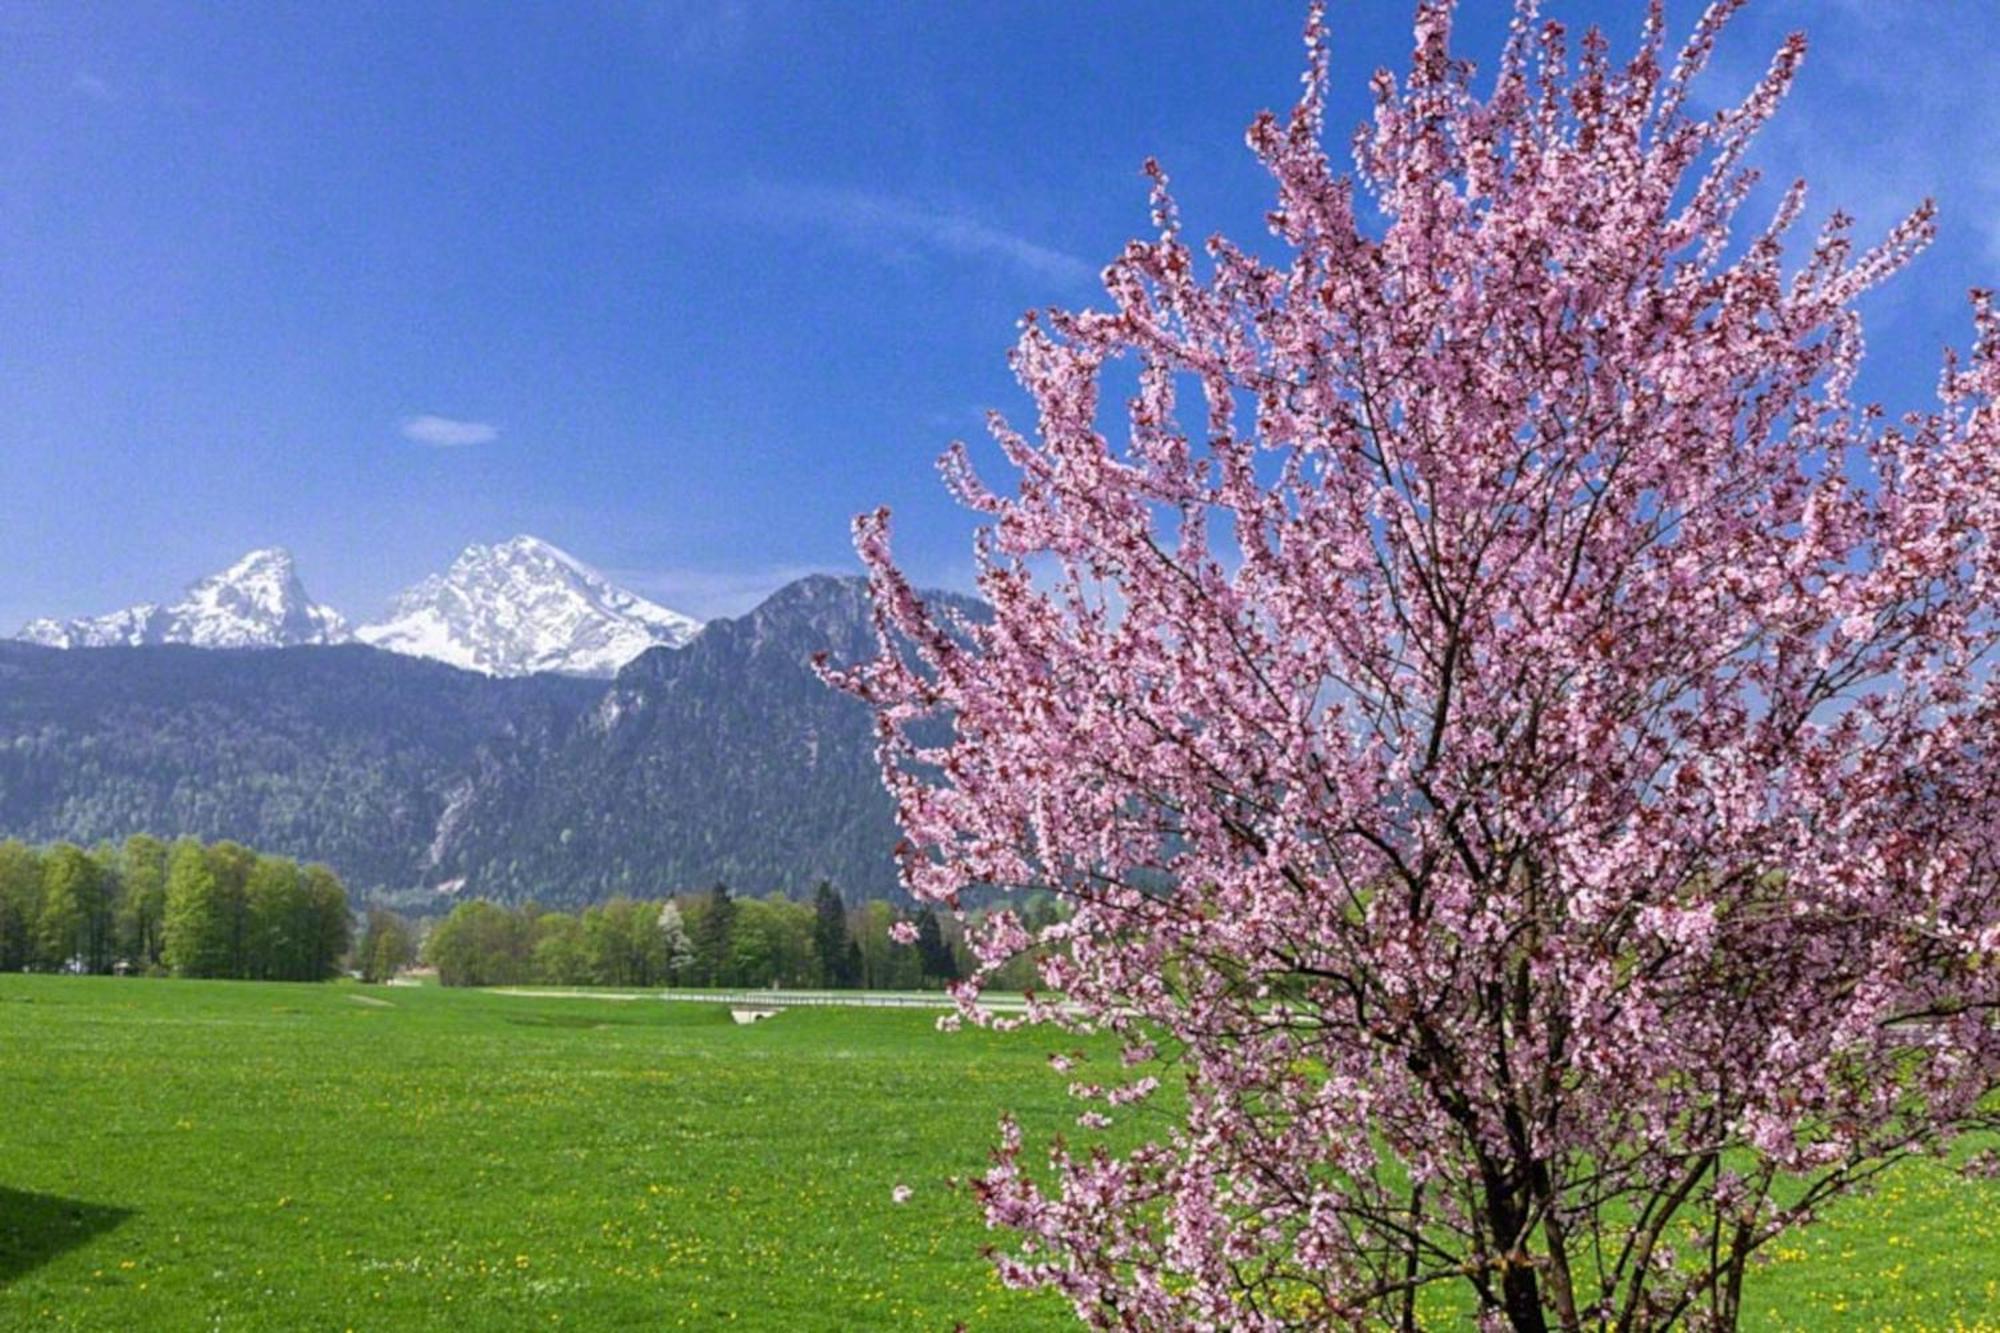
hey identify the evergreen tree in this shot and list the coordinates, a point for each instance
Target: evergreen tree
(830, 939)
(939, 962)
(714, 944)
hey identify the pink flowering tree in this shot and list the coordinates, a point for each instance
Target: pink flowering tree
(1517, 739)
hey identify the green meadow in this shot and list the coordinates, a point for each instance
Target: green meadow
(240, 1155)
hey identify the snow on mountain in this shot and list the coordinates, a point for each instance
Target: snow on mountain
(510, 609)
(133, 625)
(523, 606)
(258, 602)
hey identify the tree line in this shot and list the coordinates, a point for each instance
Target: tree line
(711, 939)
(185, 908)
(222, 910)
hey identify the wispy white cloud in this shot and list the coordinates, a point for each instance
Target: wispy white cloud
(447, 432)
(1877, 123)
(699, 32)
(708, 31)
(896, 224)
(93, 86)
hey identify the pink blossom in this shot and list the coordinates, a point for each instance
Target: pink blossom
(1498, 716)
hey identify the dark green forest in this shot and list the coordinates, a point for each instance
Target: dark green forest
(343, 755)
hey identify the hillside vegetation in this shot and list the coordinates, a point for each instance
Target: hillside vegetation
(726, 760)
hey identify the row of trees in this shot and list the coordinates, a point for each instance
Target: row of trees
(226, 911)
(713, 939)
(147, 905)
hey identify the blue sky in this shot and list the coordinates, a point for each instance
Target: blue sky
(682, 286)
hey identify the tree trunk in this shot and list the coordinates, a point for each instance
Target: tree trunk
(1520, 1290)
(1523, 1298)
(1414, 1261)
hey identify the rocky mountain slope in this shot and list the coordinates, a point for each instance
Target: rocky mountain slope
(725, 760)
(523, 606)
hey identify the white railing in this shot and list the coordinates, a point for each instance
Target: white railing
(834, 999)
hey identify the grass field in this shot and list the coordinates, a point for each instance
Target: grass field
(241, 1156)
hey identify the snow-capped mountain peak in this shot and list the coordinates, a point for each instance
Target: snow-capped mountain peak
(258, 602)
(522, 606)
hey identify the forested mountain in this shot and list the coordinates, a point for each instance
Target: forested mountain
(340, 754)
(723, 759)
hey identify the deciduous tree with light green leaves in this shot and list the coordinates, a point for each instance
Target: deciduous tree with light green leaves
(142, 906)
(20, 906)
(387, 946)
(75, 925)
(200, 926)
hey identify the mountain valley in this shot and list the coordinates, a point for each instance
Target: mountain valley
(724, 758)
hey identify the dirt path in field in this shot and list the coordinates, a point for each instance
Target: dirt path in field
(759, 999)
(568, 994)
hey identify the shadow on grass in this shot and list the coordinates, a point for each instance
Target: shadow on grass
(35, 1228)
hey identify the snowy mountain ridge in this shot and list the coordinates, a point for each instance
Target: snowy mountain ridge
(523, 606)
(510, 609)
(258, 602)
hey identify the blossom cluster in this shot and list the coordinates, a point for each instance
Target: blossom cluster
(1505, 721)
